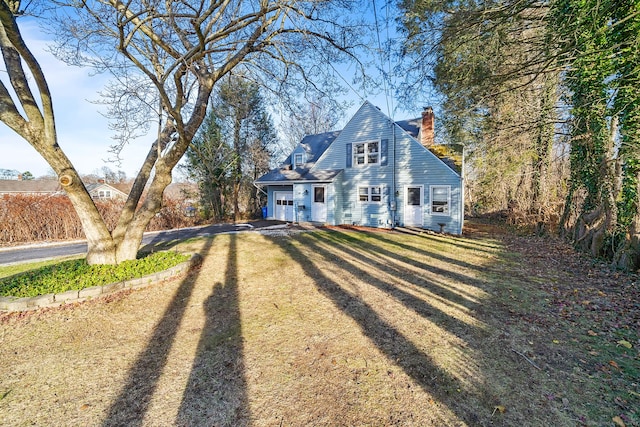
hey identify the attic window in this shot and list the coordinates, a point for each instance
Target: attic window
(104, 194)
(366, 153)
(297, 160)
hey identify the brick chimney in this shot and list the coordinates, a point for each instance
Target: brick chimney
(426, 129)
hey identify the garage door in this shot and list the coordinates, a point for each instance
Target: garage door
(284, 205)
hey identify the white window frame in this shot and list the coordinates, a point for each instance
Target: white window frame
(371, 192)
(297, 163)
(366, 155)
(447, 207)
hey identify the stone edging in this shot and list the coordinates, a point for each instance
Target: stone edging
(9, 304)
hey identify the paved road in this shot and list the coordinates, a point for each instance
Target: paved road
(53, 250)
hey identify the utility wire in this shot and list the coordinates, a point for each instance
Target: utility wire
(382, 67)
(322, 54)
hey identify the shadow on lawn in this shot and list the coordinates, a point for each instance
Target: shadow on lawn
(132, 404)
(389, 340)
(216, 391)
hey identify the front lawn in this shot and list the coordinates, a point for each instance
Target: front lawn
(341, 328)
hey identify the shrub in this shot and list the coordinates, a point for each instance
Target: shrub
(37, 218)
(77, 274)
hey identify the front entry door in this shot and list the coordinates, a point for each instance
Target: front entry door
(319, 204)
(413, 206)
(283, 205)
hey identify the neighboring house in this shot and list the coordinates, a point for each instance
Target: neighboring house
(6, 174)
(30, 187)
(104, 191)
(374, 173)
(98, 191)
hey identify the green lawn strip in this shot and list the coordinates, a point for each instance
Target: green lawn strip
(77, 274)
(13, 269)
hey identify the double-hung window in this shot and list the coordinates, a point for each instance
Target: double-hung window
(366, 153)
(297, 160)
(440, 199)
(370, 194)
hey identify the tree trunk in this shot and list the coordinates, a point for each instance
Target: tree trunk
(628, 256)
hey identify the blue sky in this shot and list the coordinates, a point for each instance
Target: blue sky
(83, 132)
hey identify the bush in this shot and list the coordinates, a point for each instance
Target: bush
(37, 218)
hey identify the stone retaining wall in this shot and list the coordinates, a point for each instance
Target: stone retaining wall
(55, 300)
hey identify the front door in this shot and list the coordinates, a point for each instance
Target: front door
(413, 206)
(319, 204)
(283, 205)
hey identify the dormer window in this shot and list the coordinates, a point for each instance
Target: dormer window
(297, 160)
(366, 153)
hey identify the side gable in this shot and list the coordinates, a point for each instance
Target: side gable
(371, 124)
(104, 191)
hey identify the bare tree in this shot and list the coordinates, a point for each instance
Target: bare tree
(167, 57)
(310, 118)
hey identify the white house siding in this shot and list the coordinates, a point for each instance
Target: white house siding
(415, 165)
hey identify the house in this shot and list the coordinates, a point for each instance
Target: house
(103, 191)
(374, 173)
(40, 187)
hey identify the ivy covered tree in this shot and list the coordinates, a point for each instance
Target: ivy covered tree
(523, 83)
(599, 43)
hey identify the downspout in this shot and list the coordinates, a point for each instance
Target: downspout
(260, 189)
(263, 192)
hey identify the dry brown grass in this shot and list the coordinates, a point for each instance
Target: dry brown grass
(332, 328)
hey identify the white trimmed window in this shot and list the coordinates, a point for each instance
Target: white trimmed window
(297, 160)
(370, 194)
(366, 153)
(440, 199)
(104, 194)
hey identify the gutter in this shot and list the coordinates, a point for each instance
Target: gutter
(259, 188)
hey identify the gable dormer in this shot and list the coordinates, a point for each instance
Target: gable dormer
(298, 158)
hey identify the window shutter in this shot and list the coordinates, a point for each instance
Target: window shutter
(349, 154)
(384, 144)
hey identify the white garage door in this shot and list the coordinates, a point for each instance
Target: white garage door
(284, 205)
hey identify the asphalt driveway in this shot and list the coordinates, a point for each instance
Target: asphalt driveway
(48, 250)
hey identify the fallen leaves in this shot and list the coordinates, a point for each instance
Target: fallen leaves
(625, 343)
(499, 408)
(619, 421)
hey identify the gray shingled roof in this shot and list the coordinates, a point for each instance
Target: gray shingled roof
(285, 174)
(411, 126)
(315, 145)
(32, 186)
